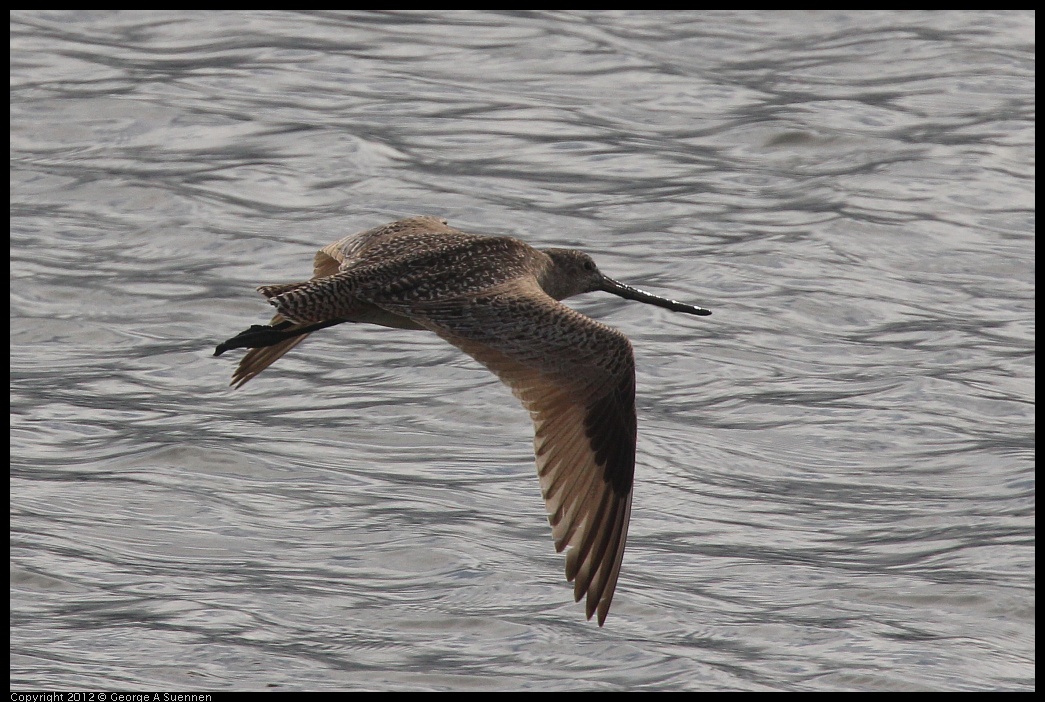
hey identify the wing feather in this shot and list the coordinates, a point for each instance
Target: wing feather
(577, 379)
(346, 253)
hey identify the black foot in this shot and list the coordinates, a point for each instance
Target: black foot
(261, 335)
(257, 336)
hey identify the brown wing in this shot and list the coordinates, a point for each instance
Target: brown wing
(406, 236)
(577, 379)
(356, 249)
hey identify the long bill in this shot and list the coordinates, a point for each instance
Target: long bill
(629, 293)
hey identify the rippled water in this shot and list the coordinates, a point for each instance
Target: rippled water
(835, 474)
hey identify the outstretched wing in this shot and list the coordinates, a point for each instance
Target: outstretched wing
(404, 237)
(577, 379)
(574, 375)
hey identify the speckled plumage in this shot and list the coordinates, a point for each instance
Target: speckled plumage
(497, 299)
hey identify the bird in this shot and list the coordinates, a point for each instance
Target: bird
(497, 299)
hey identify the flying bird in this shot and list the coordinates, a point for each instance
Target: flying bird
(498, 300)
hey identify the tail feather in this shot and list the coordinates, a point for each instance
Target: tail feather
(271, 291)
(257, 360)
(315, 300)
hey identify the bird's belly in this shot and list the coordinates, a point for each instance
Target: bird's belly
(372, 314)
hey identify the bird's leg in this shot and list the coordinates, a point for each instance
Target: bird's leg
(260, 335)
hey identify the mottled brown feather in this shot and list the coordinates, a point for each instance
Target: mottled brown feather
(496, 299)
(546, 353)
(370, 246)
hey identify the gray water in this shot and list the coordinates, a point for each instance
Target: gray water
(835, 486)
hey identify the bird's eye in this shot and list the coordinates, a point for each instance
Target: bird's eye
(589, 265)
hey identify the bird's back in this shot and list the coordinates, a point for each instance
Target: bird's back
(407, 237)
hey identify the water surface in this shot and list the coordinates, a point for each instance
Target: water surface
(835, 486)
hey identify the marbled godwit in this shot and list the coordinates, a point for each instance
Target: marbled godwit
(497, 299)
